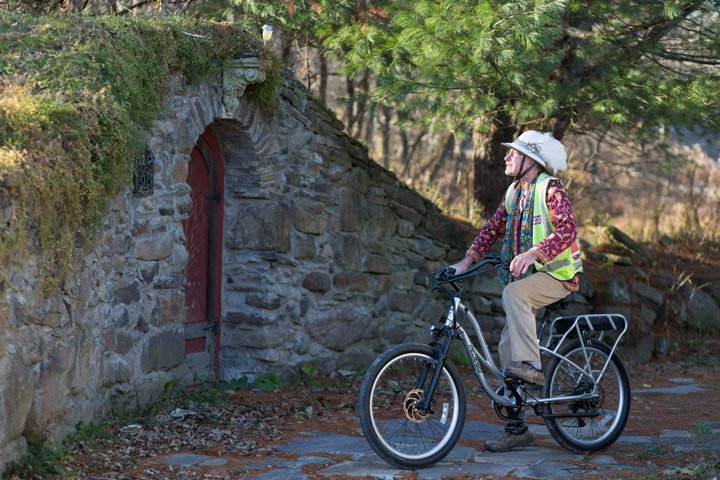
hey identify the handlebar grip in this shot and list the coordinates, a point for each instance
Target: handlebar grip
(445, 273)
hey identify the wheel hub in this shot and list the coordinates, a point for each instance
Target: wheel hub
(590, 403)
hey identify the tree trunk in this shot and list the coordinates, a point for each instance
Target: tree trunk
(350, 121)
(322, 89)
(490, 181)
(387, 120)
(361, 102)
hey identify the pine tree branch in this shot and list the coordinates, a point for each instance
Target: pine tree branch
(682, 57)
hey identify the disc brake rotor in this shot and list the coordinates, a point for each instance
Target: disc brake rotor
(412, 400)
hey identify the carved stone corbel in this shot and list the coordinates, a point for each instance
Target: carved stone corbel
(238, 73)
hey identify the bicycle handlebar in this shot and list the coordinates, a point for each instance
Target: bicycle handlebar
(447, 274)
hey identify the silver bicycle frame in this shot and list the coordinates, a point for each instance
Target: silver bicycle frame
(481, 362)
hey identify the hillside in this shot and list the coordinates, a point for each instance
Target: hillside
(680, 307)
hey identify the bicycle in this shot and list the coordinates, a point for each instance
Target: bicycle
(412, 400)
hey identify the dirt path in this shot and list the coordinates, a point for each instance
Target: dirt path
(313, 433)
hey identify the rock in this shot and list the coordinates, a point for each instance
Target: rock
(115, 370)
(258, 338)
(381, 222)
(127, 294)
(156, 248)
(480, 305)
(409, 215)
(317, 282)
(351, 210)
(639, 342)
(359, 179)
(647, 315)
(712, 287)
(377, 264)
(266, 301)
(405, 228)
(662, 346)
(339, 328)
(617, 292)
(169, 280)
(403, 301)
(52, 385)
(621, 237)
(303, 246)
(234, 319)
(346, 250)
(11, 452)
(357, 282)
(308, 222)
(16, 396)
(675, 312)
(403, 280)
(260, 226)
(169, 308)
(703, 311)
(586, 289)
(125, 341)
(488, 284)
(648, 293)
(163, 351)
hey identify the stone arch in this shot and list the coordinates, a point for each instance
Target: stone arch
(199, 125)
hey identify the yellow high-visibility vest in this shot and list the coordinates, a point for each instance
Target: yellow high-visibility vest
(566, 264)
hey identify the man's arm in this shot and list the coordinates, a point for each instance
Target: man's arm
(485, 239)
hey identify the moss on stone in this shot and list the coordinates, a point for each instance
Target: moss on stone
(77, 97)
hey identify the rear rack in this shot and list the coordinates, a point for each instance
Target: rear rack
(590, 325)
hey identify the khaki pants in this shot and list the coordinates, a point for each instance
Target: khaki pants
(521, 299)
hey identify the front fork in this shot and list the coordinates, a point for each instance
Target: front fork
(441, 350)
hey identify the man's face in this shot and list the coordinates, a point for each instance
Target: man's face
(512, 162)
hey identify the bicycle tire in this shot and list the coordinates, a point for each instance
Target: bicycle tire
(612, 404)
(383, 403)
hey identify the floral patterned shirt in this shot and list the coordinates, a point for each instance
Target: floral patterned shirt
(564, 235)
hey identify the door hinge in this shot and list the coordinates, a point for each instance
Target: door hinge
(212, 327)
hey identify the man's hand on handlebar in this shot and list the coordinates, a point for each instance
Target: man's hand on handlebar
(462, 265)
(522, 263)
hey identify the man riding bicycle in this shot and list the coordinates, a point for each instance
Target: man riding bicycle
(541, 245)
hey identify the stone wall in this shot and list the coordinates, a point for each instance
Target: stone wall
(325, 260)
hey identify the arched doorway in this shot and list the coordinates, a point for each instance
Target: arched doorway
(203, 237)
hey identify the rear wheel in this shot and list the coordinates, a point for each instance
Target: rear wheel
(394, 424)
(596, 422)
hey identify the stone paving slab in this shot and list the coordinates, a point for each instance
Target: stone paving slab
(331, 443)
(441, 471)
(186, 459)
(526, 456)
(289, 469)
(679, 390)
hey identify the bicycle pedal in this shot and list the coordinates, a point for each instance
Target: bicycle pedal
(518, 382)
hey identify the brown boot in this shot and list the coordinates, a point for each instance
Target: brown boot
(511, 438)
(526, 373)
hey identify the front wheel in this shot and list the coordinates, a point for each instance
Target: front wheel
(394, 424)
(596, 422)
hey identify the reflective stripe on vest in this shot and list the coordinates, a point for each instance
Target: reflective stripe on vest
(568, 262)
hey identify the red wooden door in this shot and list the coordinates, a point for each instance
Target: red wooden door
(203, 239)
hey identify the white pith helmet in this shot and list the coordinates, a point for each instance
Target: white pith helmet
(543, 148)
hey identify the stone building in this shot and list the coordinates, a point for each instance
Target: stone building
(248, 244)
